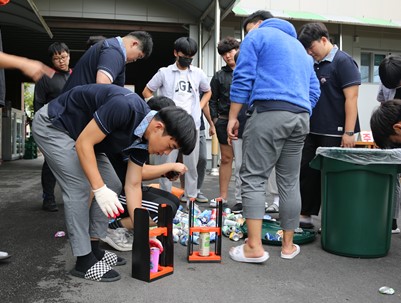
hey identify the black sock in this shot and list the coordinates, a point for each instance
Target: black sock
(116, 224)
(99, 253)
(85, 262)
(394, 226)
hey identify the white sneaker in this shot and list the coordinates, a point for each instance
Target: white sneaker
(396, 231)
(4, 255)
(120, 239)
(213, 202)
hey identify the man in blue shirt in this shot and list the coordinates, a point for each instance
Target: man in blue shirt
(335, 117)
(75, 132)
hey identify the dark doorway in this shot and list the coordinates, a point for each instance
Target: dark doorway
(75, 33)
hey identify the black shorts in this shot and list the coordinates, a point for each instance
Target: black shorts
(151, 198)
(221, 130)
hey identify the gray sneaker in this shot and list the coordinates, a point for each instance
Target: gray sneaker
(201, 198)
(120, 239)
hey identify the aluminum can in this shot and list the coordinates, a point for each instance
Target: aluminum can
(234, 236)
(226, 230)
(213, 214)
(204, 244)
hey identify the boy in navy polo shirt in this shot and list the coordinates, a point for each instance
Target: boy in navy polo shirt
(105, 61)
(75, 132)
(335, 117)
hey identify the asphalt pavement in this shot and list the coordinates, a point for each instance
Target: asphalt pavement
(38, 270)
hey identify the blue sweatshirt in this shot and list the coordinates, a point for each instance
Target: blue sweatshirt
(273, 65)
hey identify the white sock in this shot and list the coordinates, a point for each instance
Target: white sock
(305, 219)
(276, 200)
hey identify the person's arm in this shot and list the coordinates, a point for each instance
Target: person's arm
(206, 112)
(133, 188)
(351, 113)
(31, 68)
(147, 93)
(150, 172)
(205, 98)
(102, 78)
(214, 87)
(105, 197)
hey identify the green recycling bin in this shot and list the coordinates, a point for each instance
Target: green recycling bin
(358, 187)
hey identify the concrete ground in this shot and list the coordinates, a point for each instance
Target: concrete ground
(38, 268)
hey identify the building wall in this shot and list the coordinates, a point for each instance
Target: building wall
(138, 10)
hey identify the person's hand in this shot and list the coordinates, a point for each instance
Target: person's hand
(232, 130)
(108, 201)
(348, 141)
(212, 130)
(36, 69)
(178, 170)
(154, 242)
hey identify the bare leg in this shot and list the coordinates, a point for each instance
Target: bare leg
(225, 170)
(253, 247)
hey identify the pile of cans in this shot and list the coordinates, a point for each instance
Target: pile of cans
(201, 218)
(230, 228)
(231, 225)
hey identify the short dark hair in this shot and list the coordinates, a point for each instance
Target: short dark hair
(186, 45)
(227, 44)
(312, 32)
(180, 125)
(382, 121)
(146, 42)
(57, 48)
(390, 71)
(92, 40)
(260, 15)
(159, 102)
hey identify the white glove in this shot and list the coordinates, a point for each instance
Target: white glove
(108, 201)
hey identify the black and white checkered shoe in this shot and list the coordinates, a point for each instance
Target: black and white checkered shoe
(112, 259)
(100, 272)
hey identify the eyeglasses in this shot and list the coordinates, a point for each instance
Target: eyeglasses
(61, 58)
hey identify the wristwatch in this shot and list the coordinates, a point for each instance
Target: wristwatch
(349, 133)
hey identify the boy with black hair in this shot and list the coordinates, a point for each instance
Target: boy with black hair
(255, 19)
(183, 83)
(46, 89)
(385, 124)
(75, 132)
(219, 108)
(390, 88)
(119, 235)
(335, 117)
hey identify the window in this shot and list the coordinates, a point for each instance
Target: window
(370, 66)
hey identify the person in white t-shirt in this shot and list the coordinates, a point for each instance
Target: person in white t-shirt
(184, 84)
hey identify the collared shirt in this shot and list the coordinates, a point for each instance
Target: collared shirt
(107, 56)
(330, 56)
(118, 112)
(335, 72)
(120, 41)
